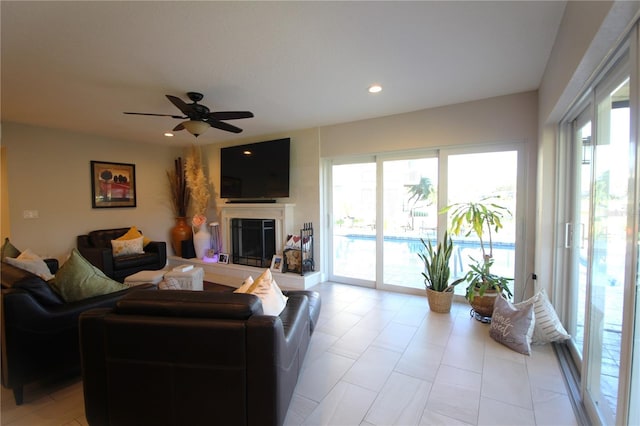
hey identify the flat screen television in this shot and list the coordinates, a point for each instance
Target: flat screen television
(257, 171)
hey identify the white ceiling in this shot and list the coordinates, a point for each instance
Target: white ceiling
(295, 65)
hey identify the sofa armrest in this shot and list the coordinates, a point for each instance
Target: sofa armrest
(159, 247)
(315, 304)
(52, 264)
(276, 347)
(21, 308)
(156, 247)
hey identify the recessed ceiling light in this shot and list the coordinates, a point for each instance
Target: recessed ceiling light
(168, 134)
(375, 88)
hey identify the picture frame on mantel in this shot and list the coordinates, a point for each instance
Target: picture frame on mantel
(113, 185)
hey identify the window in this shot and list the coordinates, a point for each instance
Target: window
(381, 208)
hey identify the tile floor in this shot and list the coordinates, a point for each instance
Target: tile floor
(381, 358)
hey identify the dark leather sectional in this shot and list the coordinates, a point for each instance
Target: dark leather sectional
(39, 329)
(194, 358)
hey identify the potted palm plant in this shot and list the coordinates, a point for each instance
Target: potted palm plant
(436, 274)
(482, 218)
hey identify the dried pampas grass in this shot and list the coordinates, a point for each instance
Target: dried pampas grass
(180, 194)
(197, 182)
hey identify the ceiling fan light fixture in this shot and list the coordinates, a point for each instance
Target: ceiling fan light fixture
(196, 127)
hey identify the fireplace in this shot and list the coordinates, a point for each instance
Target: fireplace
(280, 213)
(253, 241)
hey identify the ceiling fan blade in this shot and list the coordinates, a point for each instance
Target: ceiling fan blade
(180, 104)
(230, 115)
(224, 126)
(155, 115)
(178, 127)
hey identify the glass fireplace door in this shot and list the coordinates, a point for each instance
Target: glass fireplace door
(253, 241)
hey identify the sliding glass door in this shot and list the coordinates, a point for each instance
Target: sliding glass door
(601, 269)
(410, 209)
(607, 262)
(382, 207)
(473, 177)
(577, 230)
(353, 242)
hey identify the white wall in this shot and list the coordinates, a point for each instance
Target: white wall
(49, 171)
(510, 118)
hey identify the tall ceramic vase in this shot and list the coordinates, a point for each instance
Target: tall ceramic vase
(202, 240)
(179, 233)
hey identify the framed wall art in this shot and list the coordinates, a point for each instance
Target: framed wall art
(113, 184)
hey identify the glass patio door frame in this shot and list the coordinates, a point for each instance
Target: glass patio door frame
(328, 184)
(381, 159)
(520, 256)
(522, 276)
(574, 230)
(569, 237)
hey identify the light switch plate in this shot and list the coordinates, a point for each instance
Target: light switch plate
(30, 214)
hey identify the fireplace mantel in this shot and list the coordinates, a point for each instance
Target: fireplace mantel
(282, 213)
(233, 275)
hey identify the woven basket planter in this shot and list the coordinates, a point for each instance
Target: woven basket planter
(440, 301)
(483, 305)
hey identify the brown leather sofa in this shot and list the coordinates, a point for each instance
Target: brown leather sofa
(96, 248)
(39, 329)
(193, 358)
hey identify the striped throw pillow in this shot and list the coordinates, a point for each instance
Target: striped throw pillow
(548, 327)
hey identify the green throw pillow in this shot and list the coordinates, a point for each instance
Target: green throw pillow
(78, 279)
(8, 250)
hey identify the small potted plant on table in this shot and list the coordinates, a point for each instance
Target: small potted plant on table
(481, 218)
(436, 274)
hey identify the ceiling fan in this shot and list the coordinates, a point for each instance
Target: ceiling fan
(200, 118)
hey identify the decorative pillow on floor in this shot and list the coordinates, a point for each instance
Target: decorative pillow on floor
(78, 279)
(8, 250)
(31, 262)
(265, 287)
(132, 234)
(124, 247)
(512, 325)
(548, 327)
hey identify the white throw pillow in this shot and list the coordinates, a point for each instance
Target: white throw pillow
(245, 285)
(31, 262)
(265, 287)
(548, 327)
(124, 247)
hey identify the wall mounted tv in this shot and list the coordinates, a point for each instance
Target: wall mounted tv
(257, 171)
